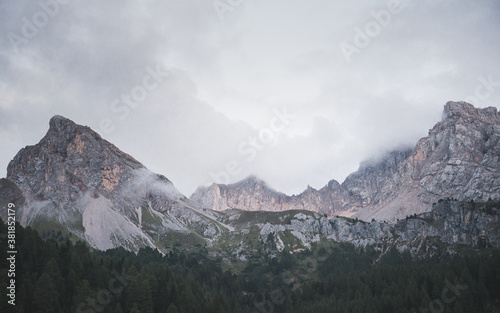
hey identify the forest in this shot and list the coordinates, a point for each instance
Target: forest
(61, 274)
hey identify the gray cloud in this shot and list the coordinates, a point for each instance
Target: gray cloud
(226, 76)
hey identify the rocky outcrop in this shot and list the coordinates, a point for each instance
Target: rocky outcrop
(454, 222)
(369, 184)
(69, 161)
(77, 182)
(451, 223)
(458, 159)
(253, 194)
(250, 193)
(9, 194)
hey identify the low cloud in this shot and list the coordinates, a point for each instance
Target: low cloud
(228, 75)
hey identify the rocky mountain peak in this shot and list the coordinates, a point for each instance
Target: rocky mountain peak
(62, 124)
(458, 159)
(63, 132)
(457, 109)
(253, 181)
(84, 185)
(332, 184)
(454, 110)
(76, 179)
(70, 160)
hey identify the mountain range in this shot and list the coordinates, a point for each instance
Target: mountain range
(458, 159)
(76, 182)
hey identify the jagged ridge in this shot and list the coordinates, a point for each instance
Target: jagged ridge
(75, 181)
(459, 159)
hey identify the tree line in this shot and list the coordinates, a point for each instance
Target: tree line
(65, 276)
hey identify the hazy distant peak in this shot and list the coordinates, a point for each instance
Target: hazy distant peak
(252, 180)
(456, 160)
(393, 156)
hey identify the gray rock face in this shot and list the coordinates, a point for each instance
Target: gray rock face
(253, 194)
(374, 178)
(9, 194)
(250, 193)
(78, 182)
(458, 159)
(452, 223)
(69, 161)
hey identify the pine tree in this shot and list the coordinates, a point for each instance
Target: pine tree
(139, 292)
(45, 298)
(172, 308)
(83, 293)
(25, 292)
(52, 269)
(118, 308)
(220, 304)
(135, 309)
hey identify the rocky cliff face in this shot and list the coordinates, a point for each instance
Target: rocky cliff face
(449, 227)
(77, 182)
(253, 194)
(9, 193)
(452, 222)
(458, 159)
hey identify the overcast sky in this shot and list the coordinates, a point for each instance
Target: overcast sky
(295, 92)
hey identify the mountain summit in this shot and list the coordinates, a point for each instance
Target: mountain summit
(458, 159)
(75, 181)
(70, 161)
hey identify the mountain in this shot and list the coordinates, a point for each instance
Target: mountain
(76, 182)
(458, 159)
(253, 194)
(449, 224)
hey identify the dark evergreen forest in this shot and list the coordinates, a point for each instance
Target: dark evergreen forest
(57, 275)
